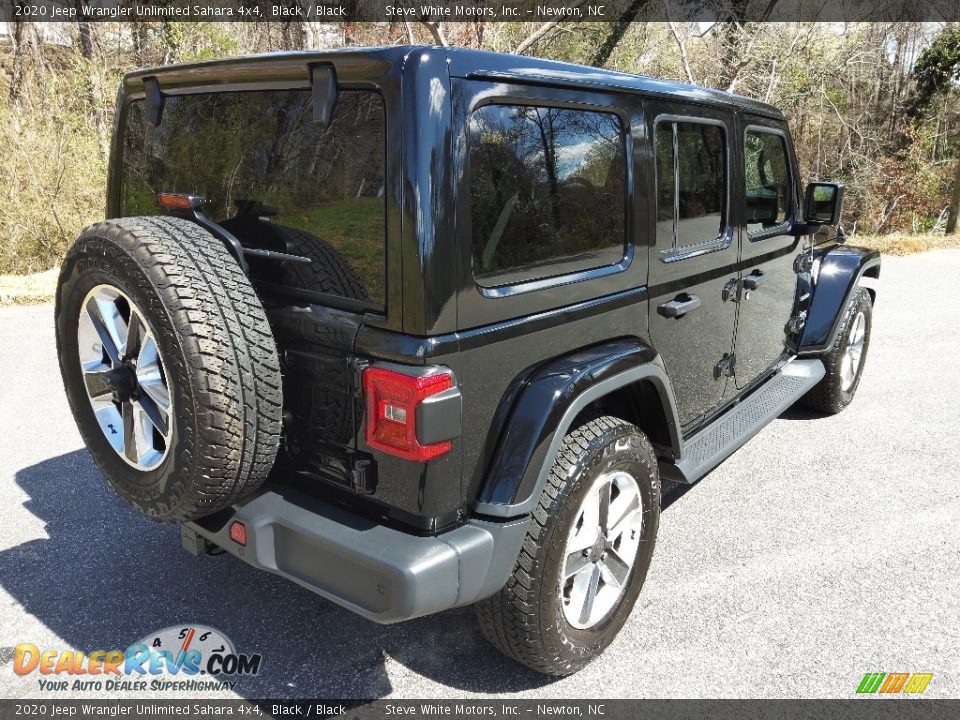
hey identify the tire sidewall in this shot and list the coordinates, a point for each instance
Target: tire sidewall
(859, 303)
(573, 646)
(98, 260)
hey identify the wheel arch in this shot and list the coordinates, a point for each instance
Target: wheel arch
(625, 378)
(838, 273)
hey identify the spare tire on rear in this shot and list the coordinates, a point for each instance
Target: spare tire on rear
(169, 364)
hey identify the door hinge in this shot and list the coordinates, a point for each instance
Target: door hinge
(357, 366)
(725, 366)
(803, 263)
(795, 324)
(731, 290)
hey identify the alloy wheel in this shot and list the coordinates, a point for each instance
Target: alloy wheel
(601, 548)
(125, 377)
(850, 364)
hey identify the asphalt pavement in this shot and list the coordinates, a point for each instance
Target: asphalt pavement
(824, 549)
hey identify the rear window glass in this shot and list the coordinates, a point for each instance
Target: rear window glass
(274, 178)
(547, 191)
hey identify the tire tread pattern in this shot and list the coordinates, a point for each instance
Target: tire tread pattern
(231, 356)
(510, 620)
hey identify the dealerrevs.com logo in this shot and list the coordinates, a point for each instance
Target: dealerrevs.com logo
(184, 657)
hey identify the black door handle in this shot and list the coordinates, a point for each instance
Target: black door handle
(754, 280)
(680, 305)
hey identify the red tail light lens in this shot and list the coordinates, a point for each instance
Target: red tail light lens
(238, 532)
(392, 400)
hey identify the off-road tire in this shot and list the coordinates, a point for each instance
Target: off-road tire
(525, 620)
(828, 396)
(219, 353)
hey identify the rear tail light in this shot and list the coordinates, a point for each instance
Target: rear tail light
(392, 400)
(238, 532)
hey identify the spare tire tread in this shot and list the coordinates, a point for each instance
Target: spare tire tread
(233, 367)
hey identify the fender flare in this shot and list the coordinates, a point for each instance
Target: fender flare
(836, 274)
(546, 407)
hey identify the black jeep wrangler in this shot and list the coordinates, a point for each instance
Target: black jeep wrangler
(418, 328)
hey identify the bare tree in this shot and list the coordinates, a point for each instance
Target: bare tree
(540, 32)
(26, 51)
(617, 32)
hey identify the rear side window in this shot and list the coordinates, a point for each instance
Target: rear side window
(768, 180)
(547, 191)
(691, 184)
(268, 171)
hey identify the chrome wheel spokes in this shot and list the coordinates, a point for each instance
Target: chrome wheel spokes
(124, 377)
(601, 549)
(850, 363)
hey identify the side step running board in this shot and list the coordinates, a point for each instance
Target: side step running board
(718, 440)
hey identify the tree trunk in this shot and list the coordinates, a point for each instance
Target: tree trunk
(617, 32)
(954, 210)
(26, 43)
(16, 79)
(139, 31)
(84, 30)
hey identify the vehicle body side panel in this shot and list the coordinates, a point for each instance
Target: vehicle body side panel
(490, 364)
(429, 244)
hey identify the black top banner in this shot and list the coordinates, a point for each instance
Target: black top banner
(481, 10)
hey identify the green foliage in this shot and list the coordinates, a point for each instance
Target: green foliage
(937, 68)
(53, 178)
(860, 111)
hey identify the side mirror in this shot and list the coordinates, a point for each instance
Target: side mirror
(824, 203)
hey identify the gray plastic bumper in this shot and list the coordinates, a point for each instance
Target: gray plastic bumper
(380, 573)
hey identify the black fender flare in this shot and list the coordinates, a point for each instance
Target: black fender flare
(546, 406)
(835, 275)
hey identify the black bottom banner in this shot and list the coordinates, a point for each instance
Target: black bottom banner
(855, 709)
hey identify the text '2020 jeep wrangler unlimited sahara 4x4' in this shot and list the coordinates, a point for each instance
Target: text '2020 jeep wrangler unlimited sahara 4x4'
(418, 328)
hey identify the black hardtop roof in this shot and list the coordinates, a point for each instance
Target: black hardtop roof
(466, 63)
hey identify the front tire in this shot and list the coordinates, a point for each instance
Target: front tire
(169, 364)
(586, 554)
(845, 360)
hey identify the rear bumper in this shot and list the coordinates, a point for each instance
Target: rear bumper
(381, 573)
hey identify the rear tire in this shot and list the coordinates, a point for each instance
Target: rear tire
(845, 360)
(217, 367)
(545, 617)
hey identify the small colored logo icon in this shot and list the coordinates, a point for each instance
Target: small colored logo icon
(892, 683)
(179, 650)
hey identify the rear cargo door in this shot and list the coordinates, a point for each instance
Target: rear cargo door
(306, 200)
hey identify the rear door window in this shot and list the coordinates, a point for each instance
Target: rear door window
(691, 185)
(272, 176)
(547, 191)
